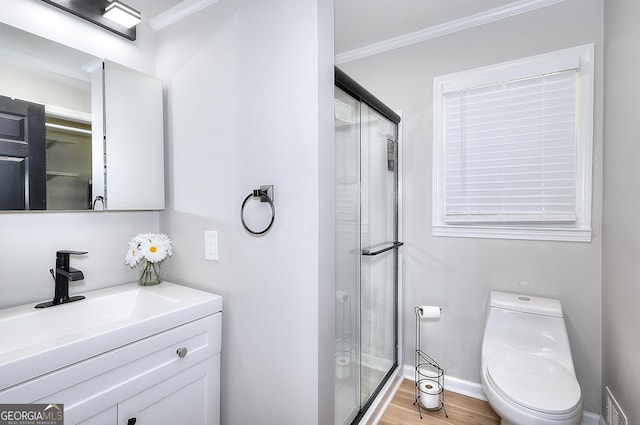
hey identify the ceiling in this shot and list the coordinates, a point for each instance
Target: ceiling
(360, 23)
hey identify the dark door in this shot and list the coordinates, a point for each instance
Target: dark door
(23, 177)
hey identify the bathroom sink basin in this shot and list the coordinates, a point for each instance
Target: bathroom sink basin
(37, 341)
(37, 326)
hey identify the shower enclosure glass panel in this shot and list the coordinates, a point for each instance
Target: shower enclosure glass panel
(378, 230)
(347, 166)
(366, 279)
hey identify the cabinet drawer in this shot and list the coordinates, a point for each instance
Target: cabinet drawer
(87, 387)
(189, 397)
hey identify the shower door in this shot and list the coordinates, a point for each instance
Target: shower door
(366, 254)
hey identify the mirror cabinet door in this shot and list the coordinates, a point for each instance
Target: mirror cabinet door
(133, 153)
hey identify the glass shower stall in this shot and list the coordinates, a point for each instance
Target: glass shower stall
(366, 164)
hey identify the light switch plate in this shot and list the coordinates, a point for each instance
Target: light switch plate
(211, 245)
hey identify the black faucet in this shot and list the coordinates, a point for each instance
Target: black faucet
(62, 275)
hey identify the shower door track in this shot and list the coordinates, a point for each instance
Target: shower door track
(365, 407)
(351, 87)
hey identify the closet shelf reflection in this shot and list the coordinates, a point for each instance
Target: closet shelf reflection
(51, 174)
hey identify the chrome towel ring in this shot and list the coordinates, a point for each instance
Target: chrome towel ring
(265, 194)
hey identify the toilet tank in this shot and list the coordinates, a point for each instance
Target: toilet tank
(531, 324)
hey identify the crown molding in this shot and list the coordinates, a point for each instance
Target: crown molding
(32, 62)
(492, 15)
(177, 13)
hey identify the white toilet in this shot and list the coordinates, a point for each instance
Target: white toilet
(527, 371)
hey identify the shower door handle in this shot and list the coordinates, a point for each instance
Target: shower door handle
(392, 245)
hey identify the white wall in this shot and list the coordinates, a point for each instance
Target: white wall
(29, 240)
(621, 232)
(458, 273)
(55, 24)
(249, 101)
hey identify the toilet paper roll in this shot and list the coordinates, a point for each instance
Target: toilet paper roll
(430, 394)
(429, 312)
(428, 371)
(342, 360)
(343, 367)
(342, 296)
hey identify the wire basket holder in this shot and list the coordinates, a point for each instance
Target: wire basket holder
(344, 348)
(429, 378)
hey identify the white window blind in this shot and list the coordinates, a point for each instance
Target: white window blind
(510, 151)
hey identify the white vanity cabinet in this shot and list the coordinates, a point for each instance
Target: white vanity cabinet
(171, 376)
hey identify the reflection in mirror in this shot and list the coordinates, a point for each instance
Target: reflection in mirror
(45, 162)
(68, 149)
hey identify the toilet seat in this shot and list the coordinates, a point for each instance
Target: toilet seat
(534, 382)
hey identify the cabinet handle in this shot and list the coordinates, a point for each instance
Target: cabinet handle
(131, 421)
(182, 351)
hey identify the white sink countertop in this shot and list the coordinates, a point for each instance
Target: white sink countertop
(37, 341)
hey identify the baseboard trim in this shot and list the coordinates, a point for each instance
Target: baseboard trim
(474, 390)
(375, 412)
(457, 385)
(593, 419)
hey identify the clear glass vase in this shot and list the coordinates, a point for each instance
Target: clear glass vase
(150, 274)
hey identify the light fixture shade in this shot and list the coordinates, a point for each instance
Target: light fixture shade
(122, 14)
(94, 10)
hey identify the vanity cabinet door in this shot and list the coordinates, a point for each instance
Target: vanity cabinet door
(190, 397)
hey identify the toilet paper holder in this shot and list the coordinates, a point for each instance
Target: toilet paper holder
(429, 376)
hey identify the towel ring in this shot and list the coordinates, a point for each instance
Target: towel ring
(265, 193)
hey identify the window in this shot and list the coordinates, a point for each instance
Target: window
(513, 149)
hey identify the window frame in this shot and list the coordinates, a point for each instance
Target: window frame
(580, 231)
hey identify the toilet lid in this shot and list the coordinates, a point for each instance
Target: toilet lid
(534, 382)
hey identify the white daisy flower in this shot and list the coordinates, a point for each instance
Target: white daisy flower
(154, 249)
(134, 255)
(151, 247)
(140, 238)
(164, 241)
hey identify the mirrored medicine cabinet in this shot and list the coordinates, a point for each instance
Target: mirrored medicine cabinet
(76, 132)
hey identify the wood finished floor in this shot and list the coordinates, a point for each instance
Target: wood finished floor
(462, 410)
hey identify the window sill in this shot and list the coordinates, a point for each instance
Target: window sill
(523, 233)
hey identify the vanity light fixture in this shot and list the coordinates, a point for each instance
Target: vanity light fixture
(100, 12)
(122, 14)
